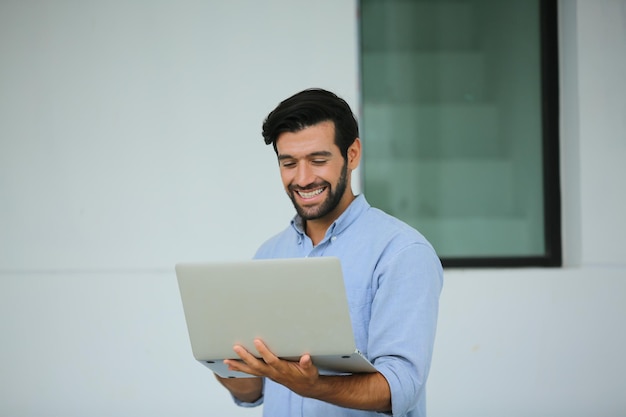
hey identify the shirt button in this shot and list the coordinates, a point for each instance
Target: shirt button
(332, 239)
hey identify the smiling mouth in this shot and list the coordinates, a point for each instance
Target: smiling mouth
(310, 194)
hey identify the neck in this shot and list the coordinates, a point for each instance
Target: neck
(316, 229)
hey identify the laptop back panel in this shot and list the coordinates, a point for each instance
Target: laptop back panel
(295, 306)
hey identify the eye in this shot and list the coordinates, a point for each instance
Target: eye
(288, 164)
(319, 161)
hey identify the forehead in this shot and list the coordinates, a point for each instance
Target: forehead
(316, 138)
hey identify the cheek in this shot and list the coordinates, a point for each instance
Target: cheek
(286, 178)
(332, 175)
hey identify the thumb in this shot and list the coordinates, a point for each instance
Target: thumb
(305, 361)
(307, 367)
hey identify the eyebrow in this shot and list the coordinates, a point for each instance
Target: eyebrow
(311, 155)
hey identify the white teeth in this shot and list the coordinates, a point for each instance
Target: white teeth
(310, 194)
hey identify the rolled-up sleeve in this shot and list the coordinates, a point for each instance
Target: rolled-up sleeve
(403, 322)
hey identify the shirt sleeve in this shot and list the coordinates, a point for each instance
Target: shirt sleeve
(403, 322)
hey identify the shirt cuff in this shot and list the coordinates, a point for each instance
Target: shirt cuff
(248, 405)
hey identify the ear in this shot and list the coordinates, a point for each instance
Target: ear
(354, 154)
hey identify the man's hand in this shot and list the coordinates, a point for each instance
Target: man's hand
(300, 377)
(360, 391)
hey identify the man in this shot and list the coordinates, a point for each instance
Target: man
(393, 276)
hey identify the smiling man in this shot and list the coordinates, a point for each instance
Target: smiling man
(309, 159)
(393, 277)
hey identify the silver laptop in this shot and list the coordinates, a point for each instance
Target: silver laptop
(295, 306)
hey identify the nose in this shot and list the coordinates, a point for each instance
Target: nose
(304, 175)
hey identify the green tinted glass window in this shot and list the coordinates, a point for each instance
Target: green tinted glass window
(459, 125)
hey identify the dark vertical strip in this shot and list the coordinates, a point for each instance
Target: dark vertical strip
(550, 117)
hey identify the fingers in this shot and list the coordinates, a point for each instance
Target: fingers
(266, 354)
(271, 366)
(247, 364)
(250, 364)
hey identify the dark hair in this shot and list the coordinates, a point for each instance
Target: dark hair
(308, 108)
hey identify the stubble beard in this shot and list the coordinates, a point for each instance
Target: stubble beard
(328, 205)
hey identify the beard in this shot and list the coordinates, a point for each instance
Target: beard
(329, 204)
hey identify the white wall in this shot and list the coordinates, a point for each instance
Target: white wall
(550, 342)
(129, 140)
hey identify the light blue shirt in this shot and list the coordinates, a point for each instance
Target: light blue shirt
(393, 280)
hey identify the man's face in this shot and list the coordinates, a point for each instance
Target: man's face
(315, 175)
